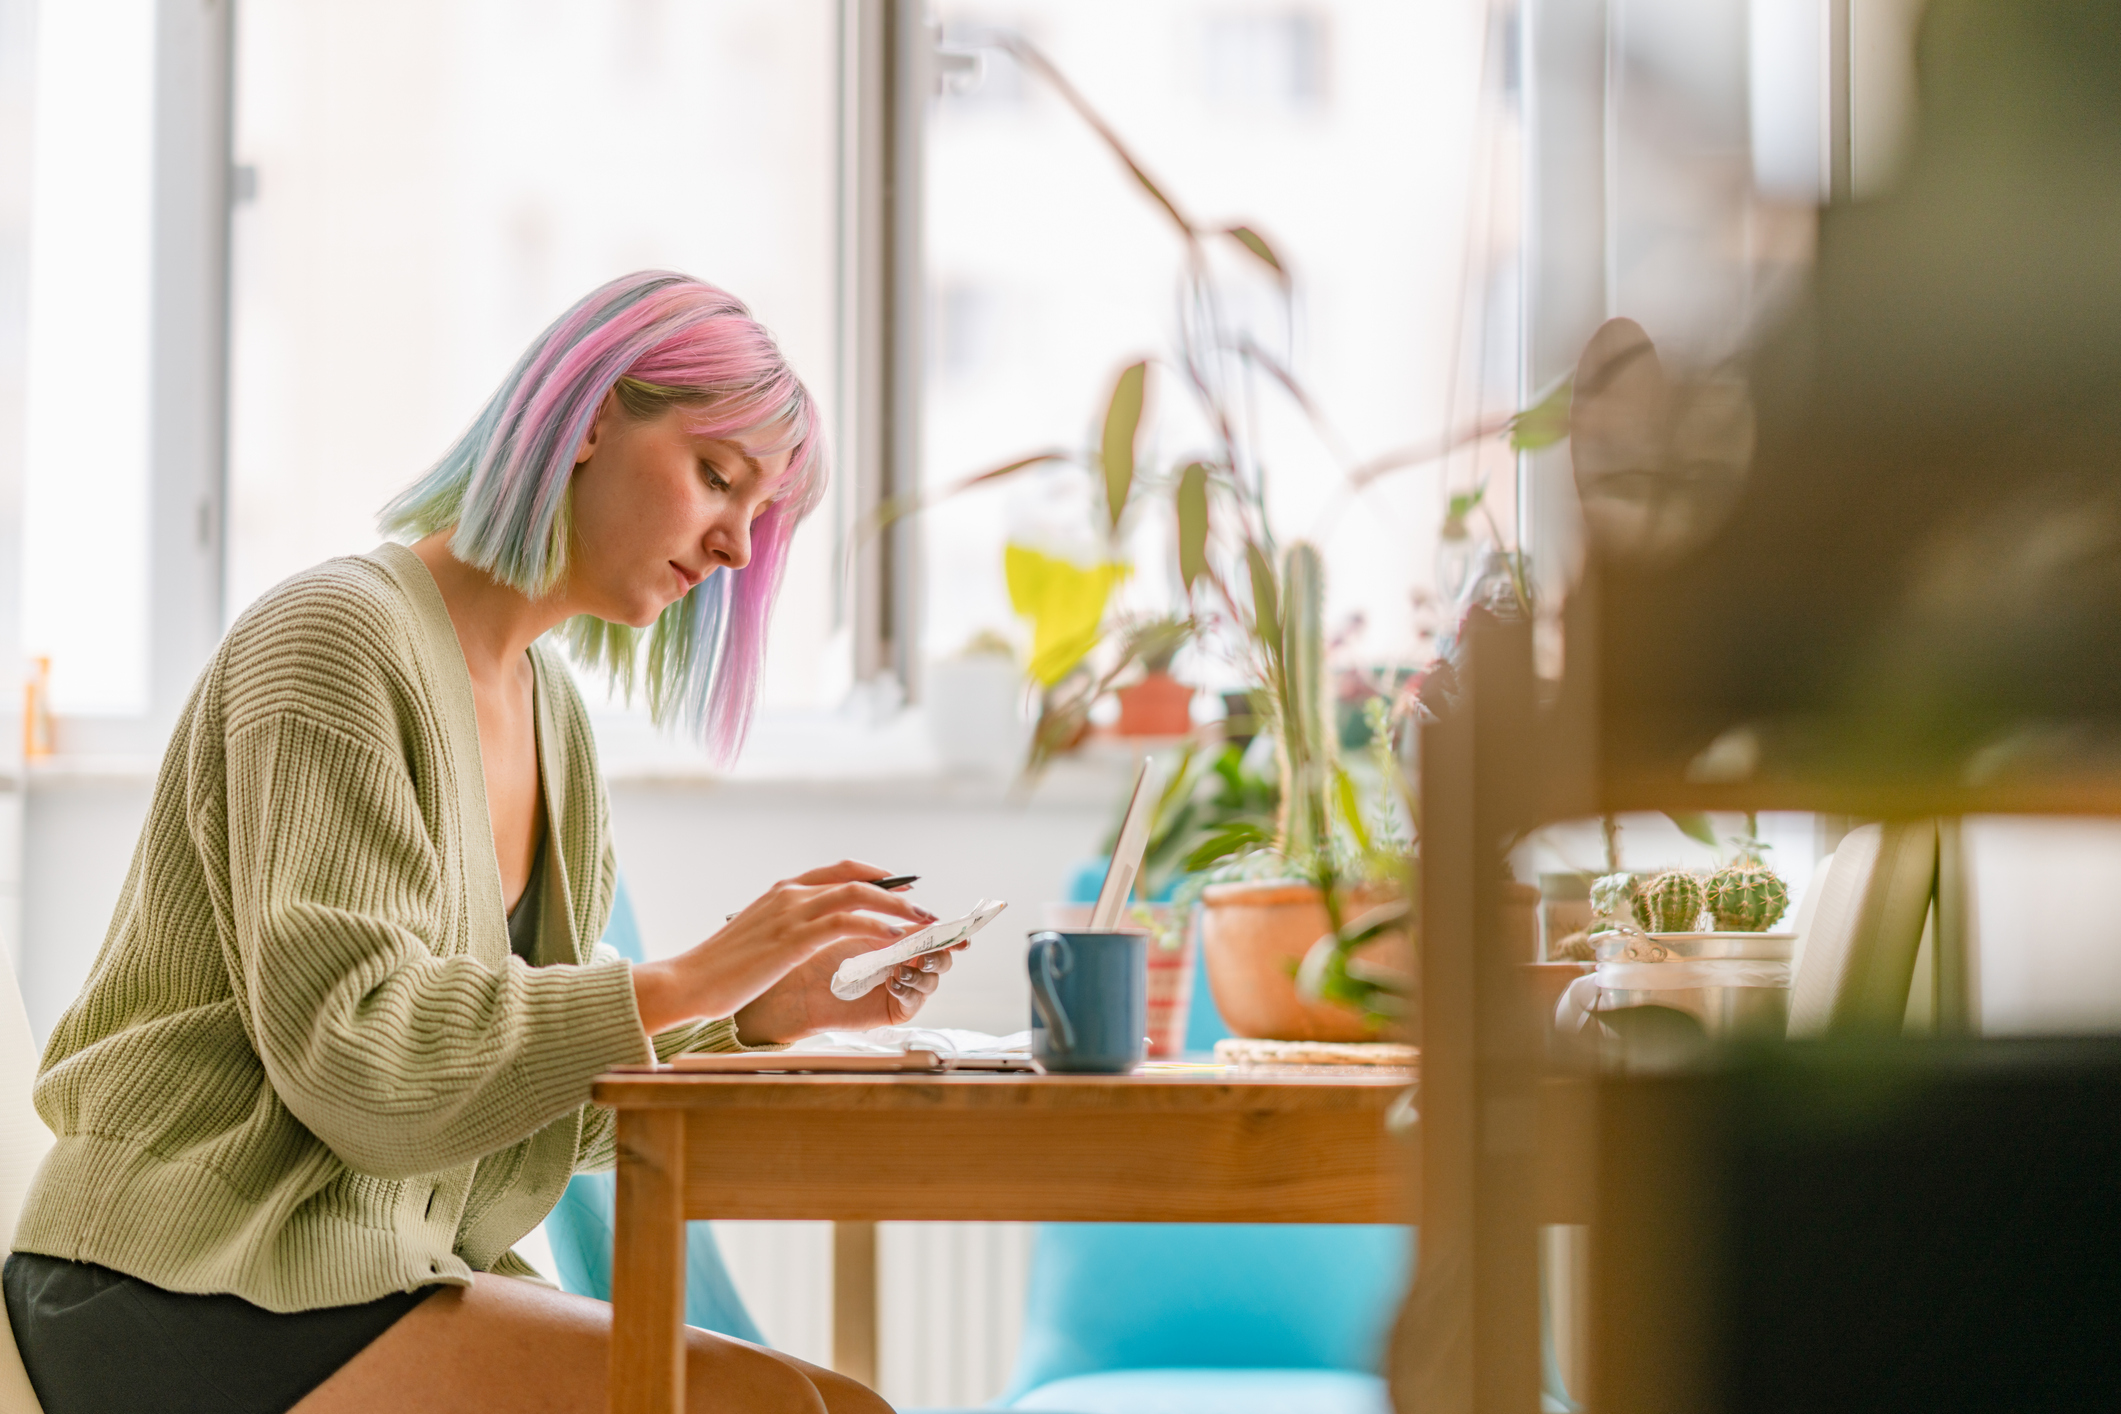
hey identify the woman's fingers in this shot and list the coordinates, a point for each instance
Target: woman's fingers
(910, 978)
(849, 897)
(820, 933)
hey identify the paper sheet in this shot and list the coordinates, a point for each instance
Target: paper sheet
(859, 975)
(895, 1040)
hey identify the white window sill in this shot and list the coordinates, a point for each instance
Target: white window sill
(822, 753)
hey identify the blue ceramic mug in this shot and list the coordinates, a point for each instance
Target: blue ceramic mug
(1089, 1000)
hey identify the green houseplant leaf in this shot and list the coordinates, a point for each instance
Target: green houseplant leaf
(1254, 242)
(1695, 825)
(1123, 417)
(1546, 422)
(1266, 600)
(1191, 504)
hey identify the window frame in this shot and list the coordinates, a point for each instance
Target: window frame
(884, 49)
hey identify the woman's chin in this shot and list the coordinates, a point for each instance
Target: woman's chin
(641, 613)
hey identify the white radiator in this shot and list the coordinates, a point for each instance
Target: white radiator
(950, 1301)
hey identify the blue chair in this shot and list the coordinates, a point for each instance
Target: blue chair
(580, 1225)
(1187, 1318)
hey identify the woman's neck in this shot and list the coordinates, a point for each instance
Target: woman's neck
(495, 624)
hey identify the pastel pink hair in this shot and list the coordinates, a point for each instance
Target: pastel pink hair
(660, 340)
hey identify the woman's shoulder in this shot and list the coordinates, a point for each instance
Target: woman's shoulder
(341, 630)
(354, 596)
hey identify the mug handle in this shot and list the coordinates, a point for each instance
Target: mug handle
(1046, 970)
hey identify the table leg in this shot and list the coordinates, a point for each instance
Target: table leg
(854, 1343)
(648, 1266)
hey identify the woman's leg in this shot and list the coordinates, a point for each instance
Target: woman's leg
(504, 1344)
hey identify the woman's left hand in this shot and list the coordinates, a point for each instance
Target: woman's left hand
(802, 1004)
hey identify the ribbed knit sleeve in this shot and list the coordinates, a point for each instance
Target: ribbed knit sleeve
(597, 1148)
(402, 1061)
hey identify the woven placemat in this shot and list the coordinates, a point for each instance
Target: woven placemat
(1245, 1051)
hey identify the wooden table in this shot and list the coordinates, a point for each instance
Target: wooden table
(1232, 1146)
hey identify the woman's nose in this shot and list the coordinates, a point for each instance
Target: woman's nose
(729, 542)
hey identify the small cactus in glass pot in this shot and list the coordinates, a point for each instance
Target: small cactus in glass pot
(1745, 896)
(1671, 902)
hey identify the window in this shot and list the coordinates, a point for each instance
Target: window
(418, 188)
(1048, 271)
(85, 511)
(1263, 62)
(435, 181)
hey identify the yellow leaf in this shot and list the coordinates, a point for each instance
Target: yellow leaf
(1065, 603)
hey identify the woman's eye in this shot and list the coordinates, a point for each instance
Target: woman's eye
(715, 480)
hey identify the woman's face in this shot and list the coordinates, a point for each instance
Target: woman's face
(657, 510)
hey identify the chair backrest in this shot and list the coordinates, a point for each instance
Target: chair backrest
(1125, 1296)
(1857, 955)
(579, 1228)
(23, 1142)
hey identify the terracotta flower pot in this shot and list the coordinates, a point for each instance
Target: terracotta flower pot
(1170, 993)
(1158, 705)
(1256, 934)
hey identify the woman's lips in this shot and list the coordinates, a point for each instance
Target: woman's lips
(685, 576)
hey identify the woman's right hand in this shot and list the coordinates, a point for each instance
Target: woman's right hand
(784, 927)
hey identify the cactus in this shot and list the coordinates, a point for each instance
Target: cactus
(1670, 903)
(1745, 896)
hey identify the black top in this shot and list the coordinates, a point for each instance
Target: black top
(523, 918)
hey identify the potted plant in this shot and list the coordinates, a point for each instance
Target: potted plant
(1322, 888)
(1156, 703)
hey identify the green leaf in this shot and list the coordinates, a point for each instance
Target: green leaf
(1350, 807)
(1192, 507)
(1694, 825)
(1464, 503)
(1266, 597)
(1544, 423)
(1122, 419)
(1230, 840)
(1256, 243)
(1385, 918)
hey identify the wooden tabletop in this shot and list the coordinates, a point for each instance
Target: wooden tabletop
(1274, 1087)
(1229, 1146)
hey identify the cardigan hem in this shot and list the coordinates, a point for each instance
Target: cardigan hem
(306, 1261)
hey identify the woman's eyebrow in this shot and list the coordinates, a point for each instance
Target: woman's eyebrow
(757, 468)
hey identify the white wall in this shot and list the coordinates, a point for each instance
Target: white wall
(2049, 933)
(78, 833)
(693, 851)
(696, 852)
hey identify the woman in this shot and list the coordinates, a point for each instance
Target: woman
(334, 1058)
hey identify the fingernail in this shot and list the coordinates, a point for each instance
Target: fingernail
(929, 964)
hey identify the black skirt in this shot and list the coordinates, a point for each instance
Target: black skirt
(97, 1341)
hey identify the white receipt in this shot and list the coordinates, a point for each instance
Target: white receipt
(859, 975)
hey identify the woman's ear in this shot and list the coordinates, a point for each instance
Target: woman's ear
(596, 429)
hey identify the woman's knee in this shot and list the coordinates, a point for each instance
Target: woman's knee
(845, 1396)
(723, 1375)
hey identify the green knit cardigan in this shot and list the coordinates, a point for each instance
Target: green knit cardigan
(306, 1068)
